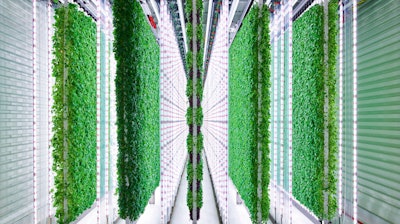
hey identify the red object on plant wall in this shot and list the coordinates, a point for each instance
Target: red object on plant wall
(151, 20)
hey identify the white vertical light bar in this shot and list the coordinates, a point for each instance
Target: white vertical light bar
(34, 77)
(162, 221)
(355, 112)
(226, 49)
(340, 193)
(282, 102)
(49, 94)
(290, 66)
(276, 22)
(107, 163)
(98, 23)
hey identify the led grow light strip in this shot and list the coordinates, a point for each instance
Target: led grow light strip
(290, 67)
(355, 215)
(107, 163)
(34, 77)
(340, 203)
(282, 103)
(225, 11)
(275, 26)
(98, 23)
(162, 113)
(49, 123)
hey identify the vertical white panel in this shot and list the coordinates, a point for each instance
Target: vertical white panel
(42, 137)
(98, 86)
(16, 112)
(355, 111)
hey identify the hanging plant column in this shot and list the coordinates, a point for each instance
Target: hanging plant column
(194, 115)
(138, 113)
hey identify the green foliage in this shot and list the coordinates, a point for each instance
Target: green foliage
(189, 116)
(189, 88)
(199, 140)
(189, 199)
(137, 92)
(200, 198)
(74, 94)
(308, 109)
(243, 109)
(333, 129)
(189, 143)
(264, 68)
(194, 140)
(199, 116)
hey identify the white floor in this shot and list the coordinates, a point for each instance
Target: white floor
(237, 213)
(279, 208)
(208, 213)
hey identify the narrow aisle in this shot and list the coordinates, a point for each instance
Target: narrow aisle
(208, 213)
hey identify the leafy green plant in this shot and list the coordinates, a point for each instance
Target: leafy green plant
(308, 109)
(264, 69)
(137, 92)
(74, 109)
(332, 118)
(194, 114)
(244, 71)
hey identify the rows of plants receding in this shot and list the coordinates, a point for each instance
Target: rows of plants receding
(74, 112)
(194, 115)
(137, 94)
(247, 133)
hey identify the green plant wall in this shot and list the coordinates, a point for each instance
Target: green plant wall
(194, 114)
(74, 112)
(244, 69)
(333, 30)
(137, 92)
(308, 109)
(264, 68)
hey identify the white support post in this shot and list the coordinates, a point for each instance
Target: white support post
(276, 22)
(49, 117)
(34, 79)
(340, 193)
(98, 103)
(355, 85)
(290, 114)
(282, 104)
(107, 99)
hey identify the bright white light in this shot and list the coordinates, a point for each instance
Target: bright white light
(290, 66)
(355, 214)
(34, 71)
(340, 203)
(98, 24)
(282, 102)
(276, 29)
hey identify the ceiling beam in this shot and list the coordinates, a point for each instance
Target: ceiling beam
(183, 25)
(232, 12)
(156, 10)
(208, 27)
